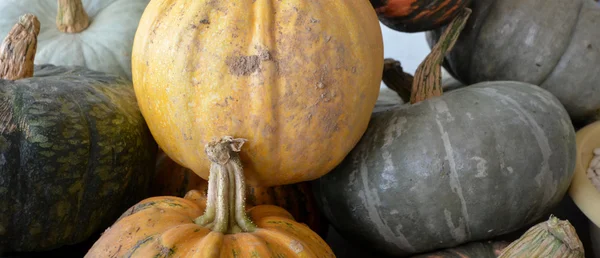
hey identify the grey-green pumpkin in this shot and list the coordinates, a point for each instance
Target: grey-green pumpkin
(551, 43)
(75, 151)
(472, 164)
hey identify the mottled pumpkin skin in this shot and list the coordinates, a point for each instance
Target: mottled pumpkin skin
(75, 153)
(417, 15)
(164, 227)
(470, 250)
(475, 163)
(172, 179)
(297, 78)
(551, 43)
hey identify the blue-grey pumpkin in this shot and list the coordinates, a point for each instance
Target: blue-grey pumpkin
(472, 164)
(551, 43)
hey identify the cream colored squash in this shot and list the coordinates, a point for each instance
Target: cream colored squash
(582, 190)
(105, 45)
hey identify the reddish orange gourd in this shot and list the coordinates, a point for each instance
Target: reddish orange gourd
(298, 79)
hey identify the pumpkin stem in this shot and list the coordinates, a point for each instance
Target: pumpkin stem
(551, 238)
(17, 51)
(396, 79)
(71, 17)
(225, 209)
(428, 77)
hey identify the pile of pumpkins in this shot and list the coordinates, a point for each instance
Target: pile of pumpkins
(154, 128)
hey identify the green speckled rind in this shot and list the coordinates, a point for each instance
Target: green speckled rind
(75, 153)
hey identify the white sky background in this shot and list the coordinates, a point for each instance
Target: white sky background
(408, 48)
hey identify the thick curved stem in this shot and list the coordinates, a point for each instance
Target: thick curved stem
(17, 51)
(209, 213)
(428, 77)
(71, 17)
(226, 213)
(240, 202)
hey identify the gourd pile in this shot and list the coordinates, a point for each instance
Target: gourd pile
(258, 128)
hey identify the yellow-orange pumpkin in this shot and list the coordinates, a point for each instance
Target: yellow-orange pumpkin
(172, 179)
(297, 78)
(180, 227)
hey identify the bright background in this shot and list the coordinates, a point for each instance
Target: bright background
(408, 48)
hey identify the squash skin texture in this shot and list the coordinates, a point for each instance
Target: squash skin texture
(74, 153)
(298, 79)
(104, 46)
(443, 172)
(551, 43)
(417, 15)
(163, 226)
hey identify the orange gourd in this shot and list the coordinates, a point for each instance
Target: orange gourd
(172, 179)
(298, 78)
(177, 227)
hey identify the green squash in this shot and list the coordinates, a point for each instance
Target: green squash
(551, 43)
(75, 153)
(472, 164)
(471, 250)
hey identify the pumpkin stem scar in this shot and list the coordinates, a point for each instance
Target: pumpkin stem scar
(17, 51)
(428, 77)
(396, 79)
(71, 17)
(593, 171)
(225, 207)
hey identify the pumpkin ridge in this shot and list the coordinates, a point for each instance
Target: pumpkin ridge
(454, 181)
(543, 144)
(564, 50)
(293, 244)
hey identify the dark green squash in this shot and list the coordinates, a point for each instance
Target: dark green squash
(472, 164)
(471, 250)
(75, 151)
(417, 15)
(551, 43)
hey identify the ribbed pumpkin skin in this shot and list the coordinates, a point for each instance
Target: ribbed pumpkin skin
(163, 227)
(74, 153)
(417, 15)
(297, 78)
(174, 180)
(475, 163)
(551, 43)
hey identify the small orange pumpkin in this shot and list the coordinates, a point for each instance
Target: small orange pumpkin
(298, 78)
(172, 179)
(175, 227)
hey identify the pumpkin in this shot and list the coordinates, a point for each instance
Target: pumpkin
(417, 15)
(475, 250)
(554, 44)
(75, 151)
(173, 226)
(291, 76)
(97, 34)
(585, 187)
(469, 165)
(171, 179)
(552, 238)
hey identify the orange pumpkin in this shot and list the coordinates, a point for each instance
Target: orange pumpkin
(174, 180)
(176, 227)
(298, 78)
